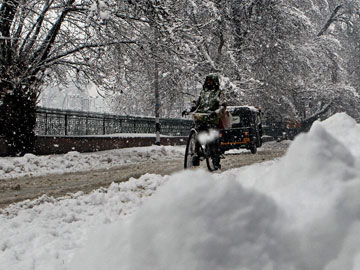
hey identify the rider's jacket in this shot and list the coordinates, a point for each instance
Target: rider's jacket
(211, 99)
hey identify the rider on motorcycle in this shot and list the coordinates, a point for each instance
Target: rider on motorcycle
(211, 101)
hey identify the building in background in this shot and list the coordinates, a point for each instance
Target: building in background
(73, 98)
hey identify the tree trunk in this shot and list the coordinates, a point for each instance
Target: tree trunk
(19, 119)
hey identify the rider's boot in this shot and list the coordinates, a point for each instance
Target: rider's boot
(195, 160)
(216, 163)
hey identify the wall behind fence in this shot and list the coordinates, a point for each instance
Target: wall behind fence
(48, 145)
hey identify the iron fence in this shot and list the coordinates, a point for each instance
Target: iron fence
(61, 122)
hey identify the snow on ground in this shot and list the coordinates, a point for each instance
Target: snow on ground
(75, 161)
(267, 146)
(298, 213)
(32, 165)
(44, 233)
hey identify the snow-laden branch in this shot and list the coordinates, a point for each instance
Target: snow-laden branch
(332, 19)
(37, 27)
(126, 17)
(87, 46)
(45, 47)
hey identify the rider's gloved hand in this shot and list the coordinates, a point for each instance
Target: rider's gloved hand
(213, 115)
(184, 112)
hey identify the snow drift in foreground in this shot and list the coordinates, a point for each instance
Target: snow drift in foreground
(302, 212)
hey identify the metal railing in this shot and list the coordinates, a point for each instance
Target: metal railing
(61, 122)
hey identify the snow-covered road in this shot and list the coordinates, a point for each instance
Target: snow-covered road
(153, 160)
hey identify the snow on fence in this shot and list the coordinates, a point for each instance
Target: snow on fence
(67, 122)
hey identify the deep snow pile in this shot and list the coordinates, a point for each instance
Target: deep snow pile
(74, 161)
(301, 212)
(45, 233)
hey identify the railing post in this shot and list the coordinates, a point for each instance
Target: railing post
(46, 124)
(104, 125)
(86, 125)
(66, 124)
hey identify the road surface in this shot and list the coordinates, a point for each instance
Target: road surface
(19, 189)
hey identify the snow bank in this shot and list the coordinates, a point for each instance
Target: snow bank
(31, 165)
(43, 234)
(302, 212)
(196, 221)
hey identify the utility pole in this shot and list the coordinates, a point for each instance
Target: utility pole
(156, 82)
(157, 103)
(153, 6)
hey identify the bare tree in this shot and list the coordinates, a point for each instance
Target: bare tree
(46, 40)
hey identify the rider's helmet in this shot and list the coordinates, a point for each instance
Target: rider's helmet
(212, 82)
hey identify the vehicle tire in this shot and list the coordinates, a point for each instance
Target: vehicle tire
(190, 150)
(253, 149)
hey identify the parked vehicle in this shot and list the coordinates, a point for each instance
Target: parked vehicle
(245, 131)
